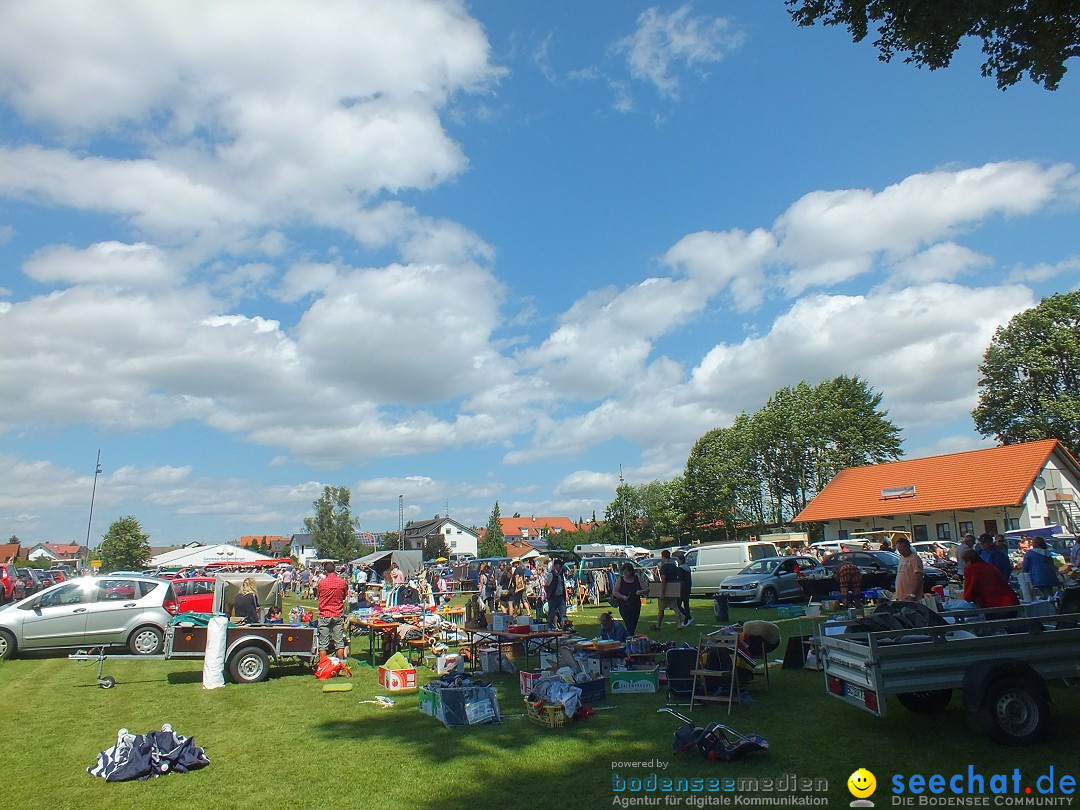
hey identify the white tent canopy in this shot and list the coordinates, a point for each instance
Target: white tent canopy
(407, 561)
(207, 555)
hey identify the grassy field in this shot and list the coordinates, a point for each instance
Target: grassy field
(285, 743)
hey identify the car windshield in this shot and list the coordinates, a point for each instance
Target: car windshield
(887, 557)
(760, 567)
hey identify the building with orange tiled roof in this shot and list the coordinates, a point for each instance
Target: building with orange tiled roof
(278, 544)
(534, 529)
(1016, 486)
(57, 551)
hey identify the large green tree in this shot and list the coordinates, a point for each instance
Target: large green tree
(1029, 386)
(1035, 37)
(435, 547)
(125, 546)
(642, 514)
(493, 544)
(765, 468)
(332, 527)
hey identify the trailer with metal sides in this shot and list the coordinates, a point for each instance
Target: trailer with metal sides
(1002, 667)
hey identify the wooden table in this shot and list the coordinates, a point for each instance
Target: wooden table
(385, 632)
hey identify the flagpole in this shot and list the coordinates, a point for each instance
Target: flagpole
(93, 494)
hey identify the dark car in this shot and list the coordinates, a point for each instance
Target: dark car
(613, 564)
(25, 580)
(43, 578)
(878, 570)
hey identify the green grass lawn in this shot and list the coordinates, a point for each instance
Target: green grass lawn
(285, 743)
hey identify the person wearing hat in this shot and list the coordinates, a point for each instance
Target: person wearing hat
(611, 630)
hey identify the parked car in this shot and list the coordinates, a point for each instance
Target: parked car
(8, 576)
(769, 580)
(614, 564)
(194, 594)
(90, 612)
(43, 578)
(711, 564)
(24, 583)
(58, 574)
(878, 571)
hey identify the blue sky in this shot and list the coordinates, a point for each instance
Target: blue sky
(468, 252)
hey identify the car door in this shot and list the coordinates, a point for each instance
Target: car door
(58, 617)
(115, 603)
(787, 581)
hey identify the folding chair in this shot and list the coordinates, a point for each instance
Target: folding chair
(726, 649)
(681, 662)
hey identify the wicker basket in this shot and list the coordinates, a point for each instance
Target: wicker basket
(548, 715)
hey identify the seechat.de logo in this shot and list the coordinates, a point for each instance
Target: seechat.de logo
(861, 784)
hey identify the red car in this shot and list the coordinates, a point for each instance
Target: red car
(7, 582)
(194, 594)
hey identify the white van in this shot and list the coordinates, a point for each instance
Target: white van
(712, 564)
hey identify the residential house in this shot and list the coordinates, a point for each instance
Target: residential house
(535, 530)
(57, 552)
(10, 552)
(459, 538)
(1016, 486)
(279, 546)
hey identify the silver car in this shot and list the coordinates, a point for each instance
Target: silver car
(107, 611)
(768, 580)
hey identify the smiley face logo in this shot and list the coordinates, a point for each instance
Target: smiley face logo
(861, 783)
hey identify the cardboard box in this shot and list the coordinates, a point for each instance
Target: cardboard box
(527, 679)
(430, 702)
(397, 680)
(673, 590)
(635, 681)
(592, 691)
(451, 662)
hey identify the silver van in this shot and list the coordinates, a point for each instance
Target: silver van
(712, 564)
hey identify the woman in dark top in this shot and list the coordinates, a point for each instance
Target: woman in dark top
(627, 594)
(246, 606)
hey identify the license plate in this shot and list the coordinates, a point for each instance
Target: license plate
(854, 692)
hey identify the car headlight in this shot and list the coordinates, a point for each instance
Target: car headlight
(753, 584)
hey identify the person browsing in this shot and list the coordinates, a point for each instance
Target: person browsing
(331, 592)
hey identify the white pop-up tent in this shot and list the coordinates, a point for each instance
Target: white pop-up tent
(227, 586)
(408, 561)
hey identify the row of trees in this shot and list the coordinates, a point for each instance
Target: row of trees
(765, 467)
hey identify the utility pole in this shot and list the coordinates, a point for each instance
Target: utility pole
(93, 494)
(401, 522)
(625, 532)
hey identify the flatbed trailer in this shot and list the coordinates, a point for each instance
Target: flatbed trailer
(249, 650)
(1001, 666)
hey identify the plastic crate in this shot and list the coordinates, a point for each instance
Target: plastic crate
(593, 690)
(548, 715)
(790, 611)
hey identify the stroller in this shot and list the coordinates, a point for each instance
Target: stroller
(715, 741)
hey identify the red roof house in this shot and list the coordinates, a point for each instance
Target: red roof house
(1015, 486)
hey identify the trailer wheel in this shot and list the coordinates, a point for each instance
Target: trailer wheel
(1014, 711)
(249, 665)
(930, 701)
(106, 682)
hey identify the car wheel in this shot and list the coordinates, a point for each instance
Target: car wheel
(1014, 711)
(249, 665)
(926, 702)
(768, 597)
(7, 645)
(146, 640)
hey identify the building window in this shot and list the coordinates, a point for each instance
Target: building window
(966, 528)
(842, 534)
(919, 532)
(944, 531)
(1012, 524)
